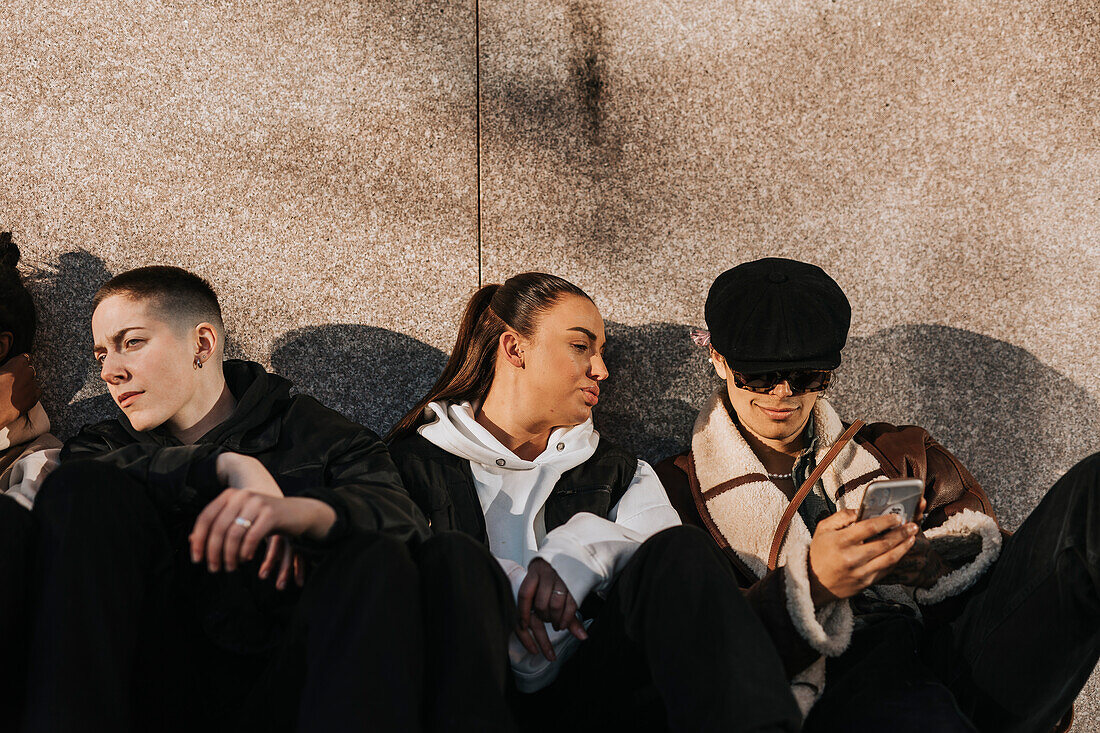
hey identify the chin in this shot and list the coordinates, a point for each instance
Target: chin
(142, 423)
(580, 416)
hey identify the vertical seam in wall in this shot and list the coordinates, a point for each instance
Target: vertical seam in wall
(477, 92)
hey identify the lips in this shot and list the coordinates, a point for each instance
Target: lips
(591, 395)
(127, 398)
(777, 413)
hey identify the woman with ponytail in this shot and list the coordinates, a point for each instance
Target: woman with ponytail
(565, 560)
(27, 452)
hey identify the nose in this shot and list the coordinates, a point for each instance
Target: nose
(782, 389)
(597, 369)
(111, 370)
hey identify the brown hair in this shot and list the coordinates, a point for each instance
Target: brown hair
(518, 305)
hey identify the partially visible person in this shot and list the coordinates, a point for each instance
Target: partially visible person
(224, 555)
(24, 425)
(27, 453)
(573, 571)
(937, 623)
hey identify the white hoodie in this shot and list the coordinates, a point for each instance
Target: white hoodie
(587, 551)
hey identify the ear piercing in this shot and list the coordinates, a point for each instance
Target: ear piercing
(198, 361)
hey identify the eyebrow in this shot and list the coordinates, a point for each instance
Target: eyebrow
(583, 330)
(118, 336)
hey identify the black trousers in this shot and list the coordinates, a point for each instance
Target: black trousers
(1013, 658)
(130, 636)
(675, 645)
(16, 541)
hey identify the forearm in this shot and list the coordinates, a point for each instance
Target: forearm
(768, 598)
(313, 519)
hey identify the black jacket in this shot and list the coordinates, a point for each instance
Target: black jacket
(442, 485)
(310, 450)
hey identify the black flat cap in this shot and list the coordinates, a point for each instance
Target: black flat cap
(776, 314)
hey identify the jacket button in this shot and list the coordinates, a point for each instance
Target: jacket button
(561, 446)
(500, 461)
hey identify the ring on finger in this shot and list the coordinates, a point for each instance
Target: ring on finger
(558, 592)
(242, 522)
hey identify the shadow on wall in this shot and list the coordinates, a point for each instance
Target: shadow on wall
(1016, 423)
(369, 374)
(72, 392)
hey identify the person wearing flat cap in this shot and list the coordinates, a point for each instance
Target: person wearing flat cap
(938, 621)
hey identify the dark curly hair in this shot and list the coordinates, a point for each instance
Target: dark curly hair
(17, 313)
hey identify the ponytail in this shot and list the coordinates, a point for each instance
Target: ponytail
(493, 309)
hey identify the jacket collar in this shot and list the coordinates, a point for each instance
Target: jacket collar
(722, 453)
(743, 504)
(256, 391)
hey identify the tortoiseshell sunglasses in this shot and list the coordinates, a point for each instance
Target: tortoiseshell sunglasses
(800, 380)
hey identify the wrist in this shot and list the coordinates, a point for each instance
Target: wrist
(318, 518)
(819, 594)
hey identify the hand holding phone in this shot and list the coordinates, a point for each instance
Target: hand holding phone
(847, 555)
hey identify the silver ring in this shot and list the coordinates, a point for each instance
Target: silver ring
(246, 523)
(558, 592)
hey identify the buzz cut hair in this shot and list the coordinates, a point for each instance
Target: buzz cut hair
(183, 298)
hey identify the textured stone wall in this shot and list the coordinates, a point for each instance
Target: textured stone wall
(347, 173)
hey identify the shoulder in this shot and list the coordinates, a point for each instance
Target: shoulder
(305, 414)
(415, 447)
(613, 453)
(889, 431)
(896, 444)
(610, 463)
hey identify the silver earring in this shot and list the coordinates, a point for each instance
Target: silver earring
(198, 361)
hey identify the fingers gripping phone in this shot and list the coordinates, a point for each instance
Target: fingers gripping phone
(900, 497)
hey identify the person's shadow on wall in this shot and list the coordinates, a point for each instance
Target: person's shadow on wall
(72, 392)
(1015, 422)
(370, 374)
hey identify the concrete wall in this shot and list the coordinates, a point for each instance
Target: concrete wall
(347, 173)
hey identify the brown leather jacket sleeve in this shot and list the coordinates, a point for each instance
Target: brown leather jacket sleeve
(910, 452)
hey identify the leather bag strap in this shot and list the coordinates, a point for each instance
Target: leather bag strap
(806, 488)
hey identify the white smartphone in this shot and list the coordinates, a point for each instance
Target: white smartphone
(900, 497)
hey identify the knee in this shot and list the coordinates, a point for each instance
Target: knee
(87, 490)
(1079, 487)
(370, 558)
(684, 552)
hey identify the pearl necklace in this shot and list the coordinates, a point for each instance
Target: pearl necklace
(781, 475)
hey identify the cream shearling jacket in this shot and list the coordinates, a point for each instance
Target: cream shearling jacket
(735, 501)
